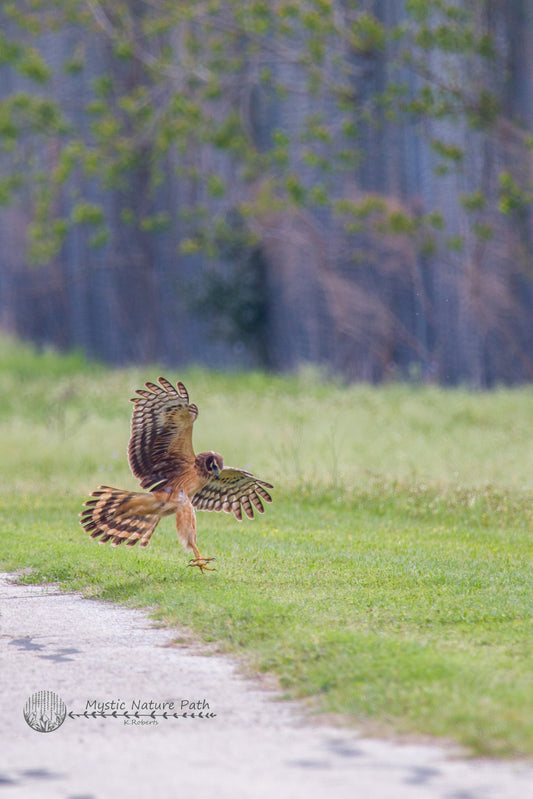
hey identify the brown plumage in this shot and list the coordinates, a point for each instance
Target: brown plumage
(161, 455)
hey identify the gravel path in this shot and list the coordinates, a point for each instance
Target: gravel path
(255, 747)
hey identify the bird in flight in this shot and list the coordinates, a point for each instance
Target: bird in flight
(161, 455)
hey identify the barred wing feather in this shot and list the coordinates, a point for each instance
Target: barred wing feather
(233, 491)
(161, 431)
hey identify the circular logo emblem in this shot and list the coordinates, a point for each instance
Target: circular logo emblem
(45, 711)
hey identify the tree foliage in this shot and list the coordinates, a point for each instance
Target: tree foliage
(206, 91)
(181, 77)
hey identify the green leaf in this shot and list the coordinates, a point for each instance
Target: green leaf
(34, 67)
(483, 232)
(86, 213)
(455, 243)
(99, 239)
(452, 152)
(295, 189)
(189, 246)
(475, 201)
(436, 220)
(216, 186)
(367, 33)
(156, 222)
(318, 194)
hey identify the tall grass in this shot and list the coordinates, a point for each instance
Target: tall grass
(298, 431)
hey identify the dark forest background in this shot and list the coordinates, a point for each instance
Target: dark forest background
(271, 184)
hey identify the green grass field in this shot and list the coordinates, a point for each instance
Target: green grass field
(390, 580)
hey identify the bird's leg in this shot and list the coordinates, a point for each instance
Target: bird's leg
(200, 561)
(186, 527)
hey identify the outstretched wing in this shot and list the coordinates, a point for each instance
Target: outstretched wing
(233, 491)
(161, 432)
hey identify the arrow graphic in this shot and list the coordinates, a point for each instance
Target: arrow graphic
(153, 715)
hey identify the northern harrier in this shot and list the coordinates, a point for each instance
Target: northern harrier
(161, 455)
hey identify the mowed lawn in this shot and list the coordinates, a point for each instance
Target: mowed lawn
(390, 580)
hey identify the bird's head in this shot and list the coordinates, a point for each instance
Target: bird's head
(210, 462)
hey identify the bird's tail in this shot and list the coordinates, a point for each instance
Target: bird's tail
(117, 516)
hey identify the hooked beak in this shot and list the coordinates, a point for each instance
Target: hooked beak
(216, 470)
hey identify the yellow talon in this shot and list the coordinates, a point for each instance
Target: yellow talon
(201, 563)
